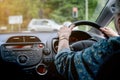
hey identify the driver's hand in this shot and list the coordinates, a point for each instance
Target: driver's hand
(109, 32)
(65, 32)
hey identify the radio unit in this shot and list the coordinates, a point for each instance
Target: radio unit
(23, 54)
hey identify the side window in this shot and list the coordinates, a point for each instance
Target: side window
(112, 25)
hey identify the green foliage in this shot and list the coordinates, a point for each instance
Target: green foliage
(62, 9)
(59, 10)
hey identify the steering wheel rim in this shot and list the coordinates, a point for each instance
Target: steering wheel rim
(76, 46)
(82, 22)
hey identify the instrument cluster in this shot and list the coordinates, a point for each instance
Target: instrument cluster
(75, 36)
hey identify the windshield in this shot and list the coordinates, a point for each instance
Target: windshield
(18, 15)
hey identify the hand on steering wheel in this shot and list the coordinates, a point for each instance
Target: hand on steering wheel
(80, 45)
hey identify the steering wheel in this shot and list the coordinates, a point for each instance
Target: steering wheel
(80, 45)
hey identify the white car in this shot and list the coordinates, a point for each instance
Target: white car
(43, 25)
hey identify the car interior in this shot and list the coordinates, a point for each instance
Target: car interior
(29, 55)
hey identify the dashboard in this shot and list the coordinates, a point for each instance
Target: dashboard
(30, 55)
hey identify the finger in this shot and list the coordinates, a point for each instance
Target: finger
(72, 26)
(62, 27)
(102, 29)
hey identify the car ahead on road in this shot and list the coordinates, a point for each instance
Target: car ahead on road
(29, 55)
(43, 25)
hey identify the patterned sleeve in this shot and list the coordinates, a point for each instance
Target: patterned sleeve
(83, 65)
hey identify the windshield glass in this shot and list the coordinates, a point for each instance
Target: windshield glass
(27, 15)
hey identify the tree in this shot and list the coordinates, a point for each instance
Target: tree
(59, 10)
